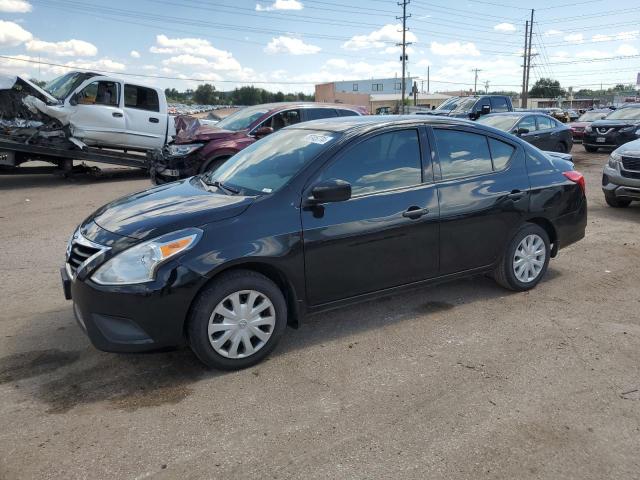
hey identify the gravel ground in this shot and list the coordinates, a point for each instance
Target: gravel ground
(463, 380)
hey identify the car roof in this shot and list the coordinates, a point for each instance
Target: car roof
(277, 106)
(345, 124)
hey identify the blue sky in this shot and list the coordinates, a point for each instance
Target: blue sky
(292, 44)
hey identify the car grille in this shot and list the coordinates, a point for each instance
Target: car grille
(630, 163)
(626, 174)
(606, 130)
(79, 251)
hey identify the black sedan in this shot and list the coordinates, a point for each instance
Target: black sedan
(540, 130)
(315, 216)
(620, 126)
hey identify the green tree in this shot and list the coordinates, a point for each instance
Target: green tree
(40, 83)
(205, 94)
(547, 88)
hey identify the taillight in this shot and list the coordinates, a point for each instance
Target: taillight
(576, 177)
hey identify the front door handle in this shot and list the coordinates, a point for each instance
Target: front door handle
(415, 212)
(154, 120)
(117, 114)
(515, 195)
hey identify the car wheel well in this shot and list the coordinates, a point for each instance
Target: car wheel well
(272, 273)
(551, 231)
(210, 161)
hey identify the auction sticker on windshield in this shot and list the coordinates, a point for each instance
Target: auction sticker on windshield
(319, 139)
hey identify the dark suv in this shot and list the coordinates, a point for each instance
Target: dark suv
(620, 126)
(208, 147)
(473, 107)
(312, 217)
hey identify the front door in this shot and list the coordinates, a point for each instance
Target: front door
(386, 235)
(97, 118)
(484, 195)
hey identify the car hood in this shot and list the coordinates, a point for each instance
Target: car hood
(631, 148)
(613, 123)
(167, 208)
(578, 124)
(190, 130)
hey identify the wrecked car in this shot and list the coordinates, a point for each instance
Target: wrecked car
(199, 148)
(81, 109)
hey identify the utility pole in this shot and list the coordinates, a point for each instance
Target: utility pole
(428, 80)
(486, 86)
(475, 83)
(523, 95)
(404, 44)
(526, 92)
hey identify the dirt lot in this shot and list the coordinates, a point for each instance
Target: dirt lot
(463, 380)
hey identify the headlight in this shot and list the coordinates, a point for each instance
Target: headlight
(182, 150)
(588, 129)
(614, 159)
(139, 263)
(628, 129)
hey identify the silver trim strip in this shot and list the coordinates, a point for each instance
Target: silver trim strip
(81, 240)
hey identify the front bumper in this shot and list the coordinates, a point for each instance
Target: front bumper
(134, 318)
(609, 140)
(165, 168)
(619, 183)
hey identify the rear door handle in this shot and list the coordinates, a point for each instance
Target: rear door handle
(515, 195)
(117, 114)
(154, 120)
(415, 212)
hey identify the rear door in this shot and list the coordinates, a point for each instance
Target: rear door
(483, 190)
(547, 133)
(97, 118)
(386, 234)
(146, 125)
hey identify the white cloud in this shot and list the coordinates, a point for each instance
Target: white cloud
(68, 48)
(574, 38)
(454, 48)
(552, 33)
(185, 60)
(134, 54)
(102, 64)
(616, 36)
(424, 63)
(290, 45)
(626, 50)
(280, 5)
(390, 33)
(219, 59)
(505, 27)
(593, 54)
(12, 34)
(15, 6)
(29, 66)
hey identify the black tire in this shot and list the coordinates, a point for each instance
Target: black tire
(208, 300)
(590, 149)
(561, 147)
(504, 273)
(615, 202)
(213, 164)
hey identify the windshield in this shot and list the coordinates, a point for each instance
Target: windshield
(625, 114)
(268, 164)
(458, 103)
(501, 122)
(591, 116)
(242, 119)
(61, 87)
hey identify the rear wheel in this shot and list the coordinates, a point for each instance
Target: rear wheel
(616, 202)
(561, 147)
(237, 321)
(526, 259)
(590, 149)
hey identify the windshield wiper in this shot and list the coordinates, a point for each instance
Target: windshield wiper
(220, 185)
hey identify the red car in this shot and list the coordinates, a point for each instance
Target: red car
(200, 148)
(577, 127)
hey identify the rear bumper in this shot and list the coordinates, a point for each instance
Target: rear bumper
(571, 227)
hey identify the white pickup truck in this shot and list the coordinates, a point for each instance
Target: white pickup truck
(77, 114)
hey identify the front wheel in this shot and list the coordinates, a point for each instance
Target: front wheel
(213, 164)
(237, 321)
(526, 259)
(561, 148)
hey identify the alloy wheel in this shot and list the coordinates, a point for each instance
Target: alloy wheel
(241, 324)
(529, 258)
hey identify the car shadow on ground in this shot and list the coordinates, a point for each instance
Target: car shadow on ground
(46, 177)
(67, 372)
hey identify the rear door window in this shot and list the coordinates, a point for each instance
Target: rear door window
(347, 113)
(501, 153)
(383, 162)
(545, 123)
(142, 98)
(462, 154)
(499, 104)
(317, 113)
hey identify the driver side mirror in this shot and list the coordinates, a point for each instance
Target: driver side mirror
(520, 131)
(263, 132)
(329, 191)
